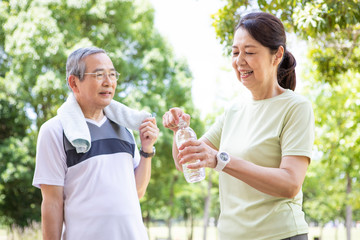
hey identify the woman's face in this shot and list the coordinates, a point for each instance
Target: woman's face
(253, 63)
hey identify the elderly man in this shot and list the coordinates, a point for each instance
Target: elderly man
(93, 194)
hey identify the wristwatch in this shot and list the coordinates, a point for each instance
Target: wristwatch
(147, 155)
(222, 158)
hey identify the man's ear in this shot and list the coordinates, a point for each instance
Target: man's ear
(279, 55)
(72, 81)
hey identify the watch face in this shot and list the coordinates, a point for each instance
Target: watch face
(224, 156)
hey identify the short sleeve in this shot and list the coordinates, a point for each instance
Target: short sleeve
(50, 168)
(297, 137)
(215, 131)
(136, 160)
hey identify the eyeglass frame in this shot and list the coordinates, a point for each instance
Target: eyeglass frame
(117, 75)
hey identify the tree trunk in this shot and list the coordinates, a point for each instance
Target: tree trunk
(207, 205)
(348, 220)
(168, 222)
(336, 232)
(171, 205)
(147, 222)
(321, 232)
(190, 237)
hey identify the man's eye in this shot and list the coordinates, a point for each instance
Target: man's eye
(249, 53)
(112, 74)
(100, 74)
(235, 53)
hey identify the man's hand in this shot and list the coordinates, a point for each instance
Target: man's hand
(149, 133)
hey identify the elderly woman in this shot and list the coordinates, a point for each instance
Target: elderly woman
(261, 147)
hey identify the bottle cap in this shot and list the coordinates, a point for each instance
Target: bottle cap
(182, 123)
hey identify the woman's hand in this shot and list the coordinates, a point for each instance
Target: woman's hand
(193, 150)
(171, 118)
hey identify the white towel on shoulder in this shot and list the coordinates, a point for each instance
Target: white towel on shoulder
(75, 127)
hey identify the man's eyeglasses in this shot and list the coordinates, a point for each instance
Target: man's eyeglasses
(101, 75)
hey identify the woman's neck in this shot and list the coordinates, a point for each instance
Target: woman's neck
(266, 92)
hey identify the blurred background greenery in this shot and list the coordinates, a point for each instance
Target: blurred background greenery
(36, 37)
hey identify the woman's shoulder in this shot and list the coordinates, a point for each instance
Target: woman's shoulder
(294, 98)
(297, 103)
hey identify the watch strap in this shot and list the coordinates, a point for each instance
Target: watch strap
(147, 155)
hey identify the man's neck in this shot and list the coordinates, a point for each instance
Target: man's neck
(96, 116)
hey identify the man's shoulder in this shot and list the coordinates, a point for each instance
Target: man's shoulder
(52, 125)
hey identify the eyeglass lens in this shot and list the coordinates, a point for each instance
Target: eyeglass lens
(101, 75)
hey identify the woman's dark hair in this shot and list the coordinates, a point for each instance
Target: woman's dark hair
(269, 31)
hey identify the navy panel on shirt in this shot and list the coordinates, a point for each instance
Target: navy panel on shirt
(109, 138)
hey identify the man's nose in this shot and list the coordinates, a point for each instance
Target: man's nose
(106, 78)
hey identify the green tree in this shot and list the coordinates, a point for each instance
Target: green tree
(17, 197)
(318, 186)
(332, 28)
(307, 18)
(338, 134)
(35, 39)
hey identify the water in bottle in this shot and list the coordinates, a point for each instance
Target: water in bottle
(182, 135)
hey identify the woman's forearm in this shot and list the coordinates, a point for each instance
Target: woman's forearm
(175, 153)
(285, 181)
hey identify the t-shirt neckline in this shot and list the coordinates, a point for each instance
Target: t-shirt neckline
(286, 92)
(98, 124)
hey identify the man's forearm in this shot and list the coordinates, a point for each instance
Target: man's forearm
(52, 217)
(142, 176)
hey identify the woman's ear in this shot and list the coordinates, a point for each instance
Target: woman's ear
(279, 55)
(72, 83)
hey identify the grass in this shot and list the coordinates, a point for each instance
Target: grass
(31, 233)
(180, 233)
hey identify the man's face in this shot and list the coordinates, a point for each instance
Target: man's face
(93, 92)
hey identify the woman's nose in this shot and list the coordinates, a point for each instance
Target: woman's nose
(240, 59)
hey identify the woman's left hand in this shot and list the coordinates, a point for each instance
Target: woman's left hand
(193, 150)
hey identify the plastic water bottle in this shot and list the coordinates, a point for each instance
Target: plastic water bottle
(183, 134)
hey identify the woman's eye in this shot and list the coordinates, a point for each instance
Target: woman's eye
(235, 53)
(248, 53)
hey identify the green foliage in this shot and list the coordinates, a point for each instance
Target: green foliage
(13, 119)
(307, 18)
(226, 19)
(36, 38)
(334, 67)
(335, 54)
(317, 204)
(19, 201)
(337, 112)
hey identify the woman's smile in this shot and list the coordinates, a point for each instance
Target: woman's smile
(245, 74)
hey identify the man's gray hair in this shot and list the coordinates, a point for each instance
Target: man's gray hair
(75, 65)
